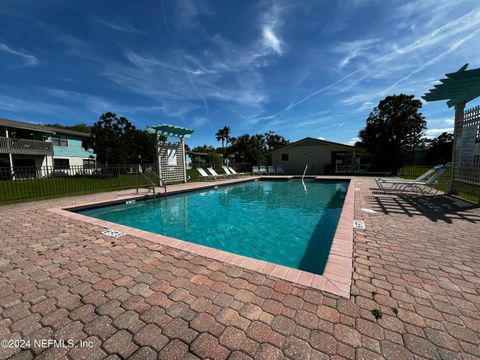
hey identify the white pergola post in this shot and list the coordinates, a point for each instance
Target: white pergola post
(10, 157)
(459, 113)
(159, 161)
(184, 160)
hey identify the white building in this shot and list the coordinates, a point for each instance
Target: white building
(321, 156)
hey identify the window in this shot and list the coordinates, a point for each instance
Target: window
(284, 157)
(88, 163)
(60, 140)
(61, 163)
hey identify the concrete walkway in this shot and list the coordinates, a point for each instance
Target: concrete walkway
(416, 267)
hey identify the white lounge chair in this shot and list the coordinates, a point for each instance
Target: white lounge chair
(262, 170)
(280, 170)
(381, 180)
(204, 175)
(416, 186)
(271, 170)
(255, 170)
(232, 170)
(228, 172)
(214, 173)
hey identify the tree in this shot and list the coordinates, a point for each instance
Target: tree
(274, 141)
(223, 135)
(116, 141)
(82, 127)
(253, 149)
(394, 127)
(141, 146)
(440, 149)
(249, 149)
(203, 148)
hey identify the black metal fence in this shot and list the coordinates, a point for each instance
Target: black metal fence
(414, 171)
(468, 187)
(30, 183)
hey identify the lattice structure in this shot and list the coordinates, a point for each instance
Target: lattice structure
(466, 152)
(471, 117)
(171, 158)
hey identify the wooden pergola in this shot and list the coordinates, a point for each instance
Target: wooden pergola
(171, 156)
(458, 88)
(170, 131)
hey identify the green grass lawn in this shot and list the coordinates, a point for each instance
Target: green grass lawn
(37, 189)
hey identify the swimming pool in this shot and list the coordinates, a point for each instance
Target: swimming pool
(289, 223)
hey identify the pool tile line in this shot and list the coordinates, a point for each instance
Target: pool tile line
(336, 279)
(188, 187)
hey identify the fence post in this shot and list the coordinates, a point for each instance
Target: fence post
(84, 178)
(119, 180)
(136, 177)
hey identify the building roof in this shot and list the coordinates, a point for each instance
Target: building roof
(41, 128)
(458, 87)
(309, 141)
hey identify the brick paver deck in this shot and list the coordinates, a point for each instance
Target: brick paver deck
(416, 266)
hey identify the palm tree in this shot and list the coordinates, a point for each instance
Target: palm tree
(223, 135)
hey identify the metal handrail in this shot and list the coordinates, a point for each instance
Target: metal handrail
(160, 180)
(152, 184)
(304, 171)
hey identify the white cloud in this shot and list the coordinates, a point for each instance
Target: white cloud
(354, 49)
(97, 105)
(199, 121)
(296, 103)
(27, 59)
(271, 23)
(177, 80)
(432, 133)
(189, 11)
(223, 71)
(353, 141)
(15, 105)
(122, 27)
(413, 54)
(271, 40)
(440, 121)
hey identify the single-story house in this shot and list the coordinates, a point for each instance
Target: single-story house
(322, 157)
(24, 144)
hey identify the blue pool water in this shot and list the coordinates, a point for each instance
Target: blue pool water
(284, 222)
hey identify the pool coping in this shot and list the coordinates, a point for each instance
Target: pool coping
(337, 274)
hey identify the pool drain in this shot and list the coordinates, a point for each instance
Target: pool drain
(359, 224)
(113, 233)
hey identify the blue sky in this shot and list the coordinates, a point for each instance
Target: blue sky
(299, 68)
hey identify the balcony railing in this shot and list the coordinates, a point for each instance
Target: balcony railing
(25, 146)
